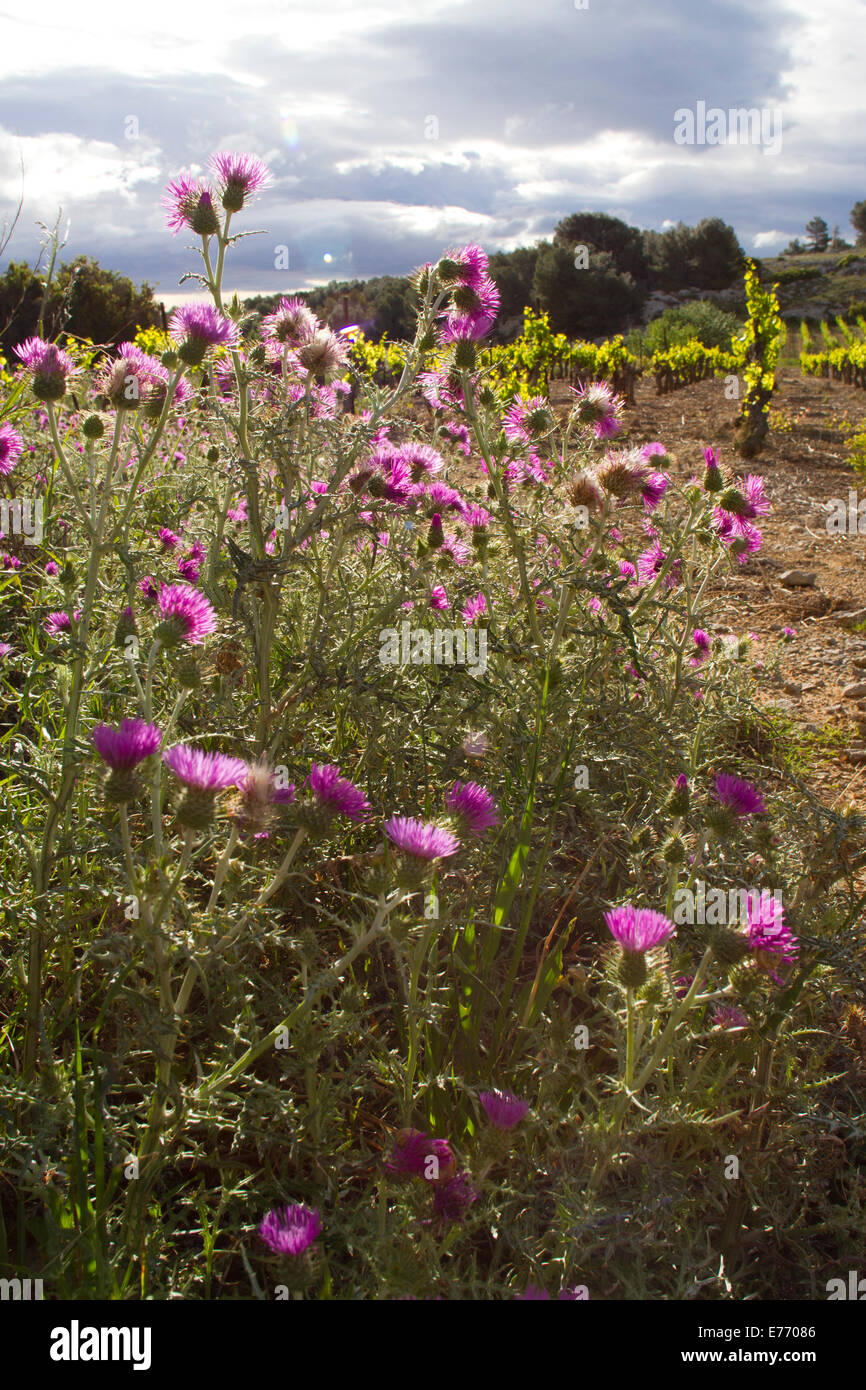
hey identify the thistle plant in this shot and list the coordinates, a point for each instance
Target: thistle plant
(368, 879)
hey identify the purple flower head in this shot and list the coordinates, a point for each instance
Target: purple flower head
(239, 176)
(50, 367)
(438, 600)
(504, 1109)
(473, 313)
(197, 327)
(527, 420)
(421, 460)
(419, 1156)
(11, 445)
(56, 623)
(186, 615)
(452, 1199)
(291, 323)
(638, 929)
(467, 266)
(655, 452)
(290, 1230)
(729, 1016)
(167, 539)
(596, 404)
(125, 379)
(474, 608)
(421, 839)
(747, 501)
(652, 561)
(337, 794)
(204, 772)
(324, 353)
(472, 807)
(738, 796)
(127, 746)
(789, 633)
(260, 798)
(188, 203)
(5, 650)
(770, 937)
(189, 569)
(52, 568)
(654, 489)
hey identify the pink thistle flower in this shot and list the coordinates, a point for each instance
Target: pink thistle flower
(421, 460)
(525, 420)
(291, 323)
(238, 177)
(204, 772)
(188, 569)
(51, 367)
(467, 266)
(654, 489)
(443, 497)
(337, 794)
(127, 746)
(452, 1199)
(596, 405)
(125, 379)
(290, 1230)
(324, 353)
(770, 938)
(418, 1155)
(186, 614)
(729, 1016)
(504, 1109)
(52, 568)
(197, 327)
(738, 795)
(421, 839)
(188, 203)
(655, 453)
(11, 445)
(148, 587)
(260, 798)
(651, 563)
(167, 539)
(56, 623)
(438, 600)
(638, 929)
(474, 608)
(472, 807)
(747, 501)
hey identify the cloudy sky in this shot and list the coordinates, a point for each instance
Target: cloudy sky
(395, 128)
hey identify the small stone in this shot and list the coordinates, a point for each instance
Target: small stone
(851, 619)
(798, 579)
(792, 688)
(859, 662)
(856, 755)
(855, 691)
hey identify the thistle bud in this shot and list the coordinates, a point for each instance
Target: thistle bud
(632, 971)
(465, 355)
(729, 946)
(93, 427)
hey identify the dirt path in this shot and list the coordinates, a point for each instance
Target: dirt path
(804, 468)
